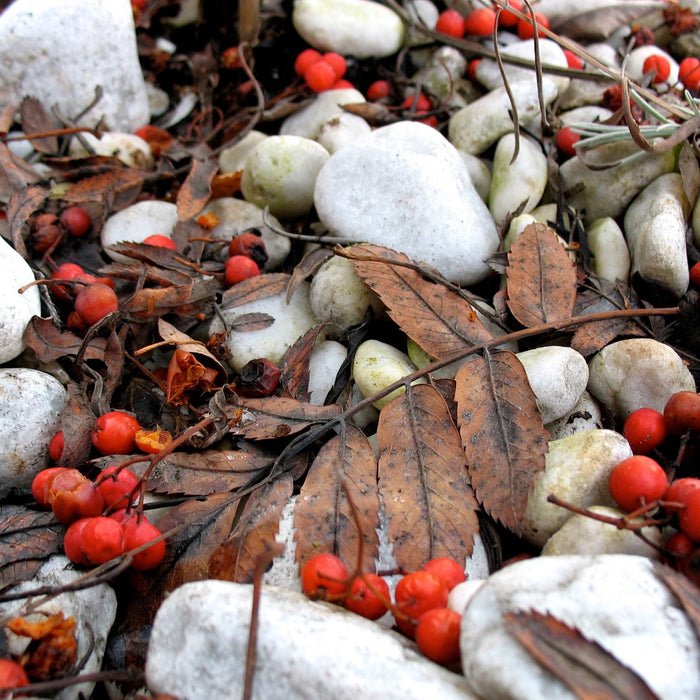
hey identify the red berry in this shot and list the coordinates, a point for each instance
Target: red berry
(659, 65)
(526, 29)
(566, 140)
(415, 594)
(12, 675)
(645, 430)
(117, 486)
(342, 84)
(324, 577)
(437, 635)
(508, 19)
(46, 238)
(637, 480)
(76, 221)
(56, 446)
(160, 241)
(71, 542)
(114, 433)
(446, 569)
(73, 496)
(364, 601)
(678, 546)
(231, 58)
(305, 59)
(320, 76)
(695, 274)
(102, 539)
(422, 103)
(678, 492)
(238, 268)
(682, 412)
(95, 301)
(336, 62)
(451, 23)
(480, 22)
(689, 72)
(689, 517)
(378, 90)
(250, 245)
(39, 488)
(471, 69)
(137, 532)
(572, 60)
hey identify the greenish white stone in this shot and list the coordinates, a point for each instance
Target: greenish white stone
(130, 149)
(610, 257)
(328, 105)
(281, 172)
(233, 158)
(479, 173)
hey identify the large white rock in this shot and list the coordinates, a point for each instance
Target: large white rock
(31, 402)
(59, 51)
(305, 650)
(16, 309)
(616, 600)
(350, 27)
(577, 469)
(637, 373)
(94, 609)
(405, 187)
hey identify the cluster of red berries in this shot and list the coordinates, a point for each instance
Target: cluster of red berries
(481, 22)
(322, 72)
(246, 255)
(640, 481)
(48, 230)
(93, 538)
(420, 600)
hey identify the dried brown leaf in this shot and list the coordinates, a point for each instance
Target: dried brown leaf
(586, 668)
(118, 188)
(36, 120)
(323, 517)
(76, 422)
(182, 300)
(49, 343)
(541, 278)
(423, 480)
(274, 417)
(245, 323)
(502, 434)
(294, 368)
(603, 21)
(23, 203)
(27, 539)
(259, 287)
(685, 590)
(307, 267)
(436, 317)
(15, 174)
(237, 558)
(196, 189)
(156, 255)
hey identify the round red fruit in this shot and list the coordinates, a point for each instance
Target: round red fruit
(446, 569)
(56, 445)
(682, 412)
(324, 577)
(689, 72)
(507, 18)
(39, 489)
(12, 675)
(415, 594)
(114, 433)
(72, 498)
(76, 221)
(566, 140)
(238, 268)
(378, 90)
(678, 492)
(572, 60)
(636, 481)
(695, 274)
(102, 539)
(71, 542)
(659, 66)
(451, 23)
(305, 59)
(645, 430)
(117, 486)
(480, 22)
(336, 62)
(160, 241)
(363, 598)
(95, 301)
(689, 517)
(526, 29)
(437, 635)
(320, 76)
(138, 531)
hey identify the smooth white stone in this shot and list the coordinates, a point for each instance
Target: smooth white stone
(405, 187)
(342, 131)
(16, 309)
(577, 469)
(442, 73)
(281, 172)
(233, 158)
(635, 63)
(655, 224)
(309, 120)
(306, 650)
(585, 415)
(616, 600)
(422, 12)
(57, 52)
(462, 593)
(480, 174)
(610, 257)
(130, 149)
(637, 373)
(558, 377)
(31, 402)
(350, 27)
(326, 359)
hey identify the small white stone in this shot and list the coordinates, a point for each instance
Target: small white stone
(516, 182)
(462, 593)
(610, 257)
(326, 359)
(424, 13)
(655, 225)
(634, 67)
(136, 223)
(31, 402)
(349, 27)
(16, 309)
(637, 373)
(584, 535)
(326, 106)
(585, 114)
(479, 173)
(342, 131)
(130, 149)
(233, 158)
(376, 366)
(577, 469)
(558, 377)
(281, 172)
(291, 321)
(585, 415)
(442, 74)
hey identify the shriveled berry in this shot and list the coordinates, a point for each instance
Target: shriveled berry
(437, 635)
(257, 378)
(46, 238)
(39, 488)
(324, 577)
(363, 601)
(636, 481)
(251, 245)
(72, 496)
